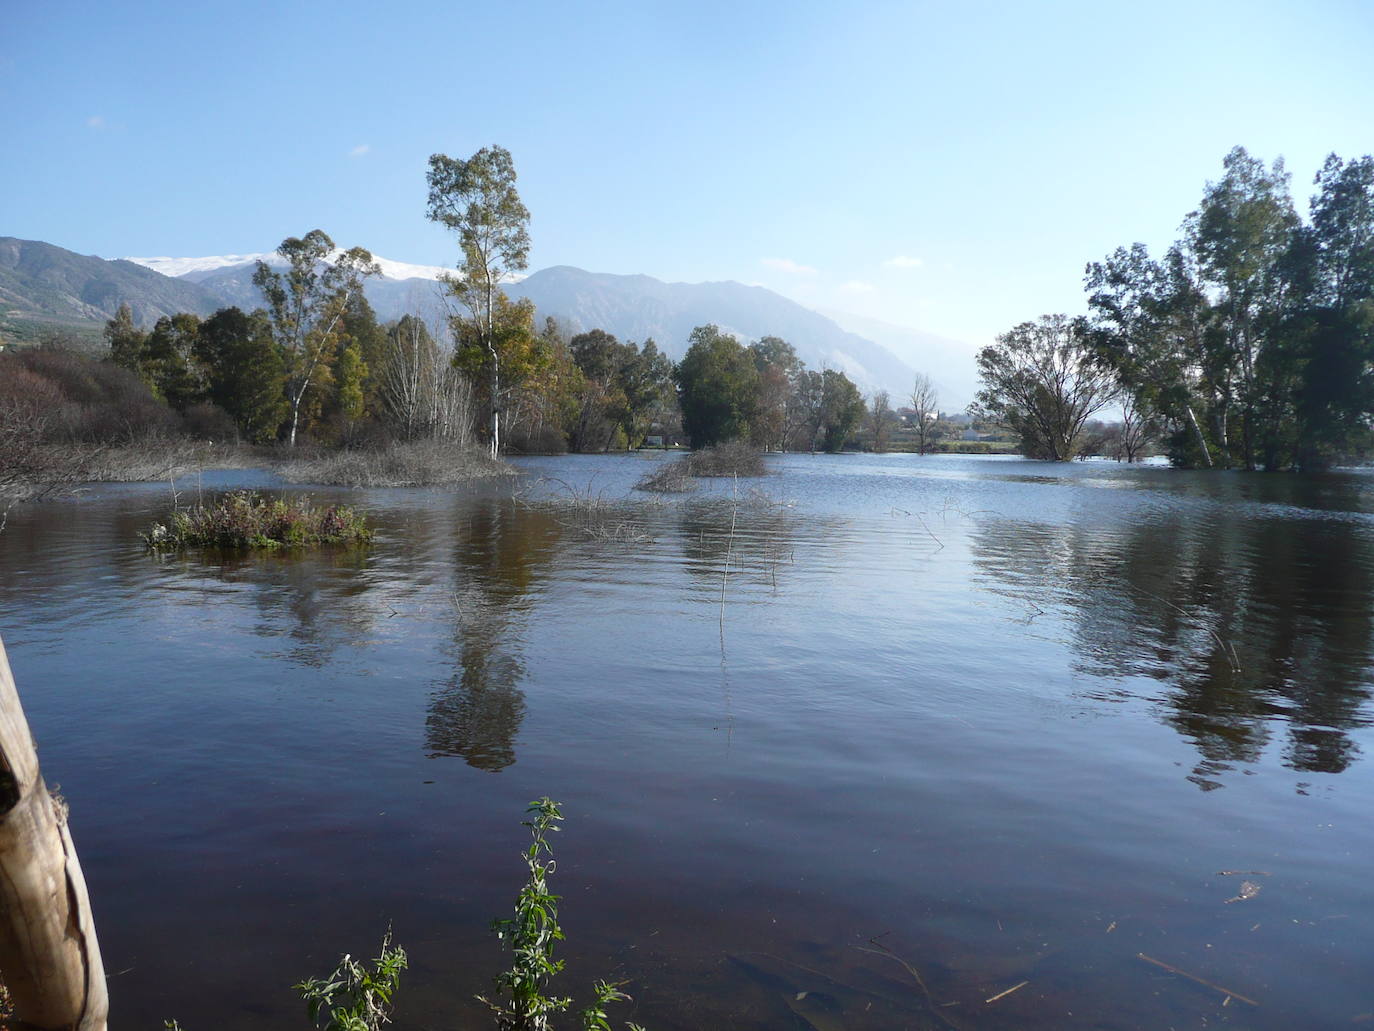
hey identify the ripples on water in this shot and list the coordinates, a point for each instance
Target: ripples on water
(1007, 719)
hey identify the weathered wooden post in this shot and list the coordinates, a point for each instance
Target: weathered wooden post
(49, 957)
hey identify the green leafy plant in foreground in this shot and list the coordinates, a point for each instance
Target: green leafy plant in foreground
(245, 519)
(354, 998)
(531, 935)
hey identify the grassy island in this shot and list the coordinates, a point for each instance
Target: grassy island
(245, 519)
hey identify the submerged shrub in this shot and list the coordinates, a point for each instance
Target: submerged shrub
(735, 458)
(421, 463)
(245, 519)
(669, 478)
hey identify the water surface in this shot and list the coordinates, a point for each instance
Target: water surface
(1005, 720)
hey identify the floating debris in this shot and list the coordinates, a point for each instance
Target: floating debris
(1198, 980)
(1003, 995)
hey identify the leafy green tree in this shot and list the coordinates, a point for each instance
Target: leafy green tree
(1254, 328)
(620, 391)
(601, 401)
(778, 366)
(718, 387)
(348, 378)
(244, 371)
(521, 357)
(647, 384)
(1149, 324)
(1042, 380)
(808, 403)
(842, 410)
(360, 331)
(304, 306)
(1238, 235)
(477, 200)
(1336, 331)
(546, 399)
(169, 360)
(127, 342)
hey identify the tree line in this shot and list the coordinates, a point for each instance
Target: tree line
(1247, 344)
(314, 363)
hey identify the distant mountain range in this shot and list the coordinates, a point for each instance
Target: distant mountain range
(41, 284)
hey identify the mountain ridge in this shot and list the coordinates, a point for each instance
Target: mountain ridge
(43, 284)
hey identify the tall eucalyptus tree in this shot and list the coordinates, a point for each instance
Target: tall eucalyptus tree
(477, 200)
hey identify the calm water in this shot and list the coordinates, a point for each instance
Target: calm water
(1008, 720)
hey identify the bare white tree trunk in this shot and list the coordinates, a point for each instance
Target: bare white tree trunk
(49, 955)
(1197, 433)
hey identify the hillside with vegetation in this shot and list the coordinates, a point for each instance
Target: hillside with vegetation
(44, 288)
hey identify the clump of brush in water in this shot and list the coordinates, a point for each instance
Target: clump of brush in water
(421, 463)
(669, 478)
(735, 458)
(245, 519)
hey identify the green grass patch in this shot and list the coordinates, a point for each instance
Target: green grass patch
(245, 519)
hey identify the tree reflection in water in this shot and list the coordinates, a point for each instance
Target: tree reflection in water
(1253, 622)
(502, 553)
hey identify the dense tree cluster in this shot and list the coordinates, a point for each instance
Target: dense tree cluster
(355, 380)
(314, 363)
(762, 393)
(311, 360)
(1250, 340)
(1248, 344)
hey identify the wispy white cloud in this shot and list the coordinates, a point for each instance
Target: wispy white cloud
(791, 267)
(857, 286)
(903, 261)
(359, 150)
(95, 122)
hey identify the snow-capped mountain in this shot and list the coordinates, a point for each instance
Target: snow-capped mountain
(193, 268)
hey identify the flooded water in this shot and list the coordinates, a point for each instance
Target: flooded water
(862, 744)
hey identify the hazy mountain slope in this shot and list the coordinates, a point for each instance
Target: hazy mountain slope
(950, 363)
(40, 282)
(640, 307)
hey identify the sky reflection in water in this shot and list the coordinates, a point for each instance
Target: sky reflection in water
(1011, 718)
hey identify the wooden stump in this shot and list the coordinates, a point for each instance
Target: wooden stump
(49, 956)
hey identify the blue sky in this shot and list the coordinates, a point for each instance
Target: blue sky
(949, 167)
